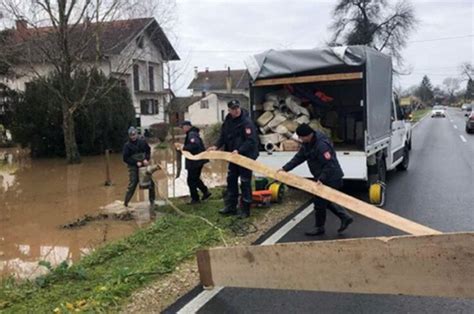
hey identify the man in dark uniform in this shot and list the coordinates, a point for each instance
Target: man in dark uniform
(194, 144)
(136, 154)
(319, 152)
(239, 136)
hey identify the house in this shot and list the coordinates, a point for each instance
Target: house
(227, 81)
(134, 51)
(206, 110)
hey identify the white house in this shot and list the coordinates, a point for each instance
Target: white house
(212, 108)
(227, 81)
(134, 51)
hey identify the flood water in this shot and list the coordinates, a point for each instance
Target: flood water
(38, 196)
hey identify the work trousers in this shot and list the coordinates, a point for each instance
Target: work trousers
(132, 185)
(233, 174)
(194, 182)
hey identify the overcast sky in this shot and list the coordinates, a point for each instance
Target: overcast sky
(221, 33)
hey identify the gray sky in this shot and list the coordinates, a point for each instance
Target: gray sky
(220, 33)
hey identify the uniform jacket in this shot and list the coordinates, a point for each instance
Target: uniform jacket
(239, 134)
(136, 151)
(194, 144)
(321, 158)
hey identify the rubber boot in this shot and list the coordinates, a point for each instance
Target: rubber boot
(244, 212)
(229, 209)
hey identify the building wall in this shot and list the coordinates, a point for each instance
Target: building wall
(121, 67)
(222, 91)
(216, 112)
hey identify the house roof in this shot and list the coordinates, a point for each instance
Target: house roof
(39, 44)
(181, 104)
(216, 80)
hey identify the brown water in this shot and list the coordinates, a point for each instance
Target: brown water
(38, 196)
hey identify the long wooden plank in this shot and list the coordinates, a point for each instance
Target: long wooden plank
(321, 190)
(310, 79)
(430, 265)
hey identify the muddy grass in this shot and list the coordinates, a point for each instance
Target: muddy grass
(147, 271)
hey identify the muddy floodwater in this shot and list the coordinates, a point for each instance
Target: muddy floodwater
(37, 197)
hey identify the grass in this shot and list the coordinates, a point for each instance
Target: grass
(418, 114)
(102, 281)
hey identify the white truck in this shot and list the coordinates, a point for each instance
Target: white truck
(354, 88)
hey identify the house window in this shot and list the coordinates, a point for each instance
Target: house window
(222, 115)
(204, 104)
(149, 107)
(136, 77)
(151, 78)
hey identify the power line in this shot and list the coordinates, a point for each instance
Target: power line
(259, 50)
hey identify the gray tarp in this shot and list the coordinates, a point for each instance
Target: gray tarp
(378, 74)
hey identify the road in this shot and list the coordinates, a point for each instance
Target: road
(437, 191)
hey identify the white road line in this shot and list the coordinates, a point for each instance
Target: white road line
(198, 302)
(463, 138)
(455, 126)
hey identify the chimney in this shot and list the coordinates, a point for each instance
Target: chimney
(228, 81)
(195, 72)
(21, 25)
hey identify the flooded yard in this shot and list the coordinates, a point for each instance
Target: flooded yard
(38, 196)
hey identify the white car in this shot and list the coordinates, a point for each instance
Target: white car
(438, 111)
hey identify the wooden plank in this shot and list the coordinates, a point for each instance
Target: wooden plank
(310, 79)
(321, 190)
(430, 265)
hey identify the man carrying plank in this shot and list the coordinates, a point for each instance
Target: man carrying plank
(319, 152)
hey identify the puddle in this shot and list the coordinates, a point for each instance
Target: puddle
(38, 196)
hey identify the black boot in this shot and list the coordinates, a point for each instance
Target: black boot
(345, 222)
(245, 210)
(315, 231)
(229, 209)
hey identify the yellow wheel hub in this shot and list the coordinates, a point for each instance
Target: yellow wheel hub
(376, 194)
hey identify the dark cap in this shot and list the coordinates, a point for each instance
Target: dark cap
(304, 130)
(185, 122)
(234, 103)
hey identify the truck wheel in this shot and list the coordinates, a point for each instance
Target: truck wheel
(403, 166)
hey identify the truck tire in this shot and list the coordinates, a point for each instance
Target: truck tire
(403, 166)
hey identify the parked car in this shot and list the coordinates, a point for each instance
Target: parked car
(470, 123)
(438, 111)
(467, 108)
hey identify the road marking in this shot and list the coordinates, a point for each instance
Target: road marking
(455, 126)
(463, 138)
(451, 120)
(198, 302)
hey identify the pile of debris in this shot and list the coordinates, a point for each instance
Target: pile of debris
(282, 114)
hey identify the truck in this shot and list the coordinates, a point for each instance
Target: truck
(346, 92)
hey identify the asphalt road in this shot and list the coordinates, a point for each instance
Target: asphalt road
(437, 191)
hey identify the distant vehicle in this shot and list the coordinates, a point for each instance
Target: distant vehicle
(467, 108)
(470, 123)
(438, 111)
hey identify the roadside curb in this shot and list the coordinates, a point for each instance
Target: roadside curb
(416, 124)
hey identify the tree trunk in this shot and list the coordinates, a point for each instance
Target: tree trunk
(70, 145)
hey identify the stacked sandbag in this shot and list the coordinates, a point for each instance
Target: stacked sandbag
(282, 114)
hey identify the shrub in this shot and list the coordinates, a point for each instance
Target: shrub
(211, 133)
(160, 130)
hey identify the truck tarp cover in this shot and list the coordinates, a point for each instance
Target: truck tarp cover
(281, 63)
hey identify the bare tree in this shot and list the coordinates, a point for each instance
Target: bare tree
(451, 85)
(374, 23)
(467, 70)
(68, 35)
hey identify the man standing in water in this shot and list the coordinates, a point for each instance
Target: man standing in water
(136, 154)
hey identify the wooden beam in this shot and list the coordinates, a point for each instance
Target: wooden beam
(433, 265)
(310, 79)
(321, 190)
